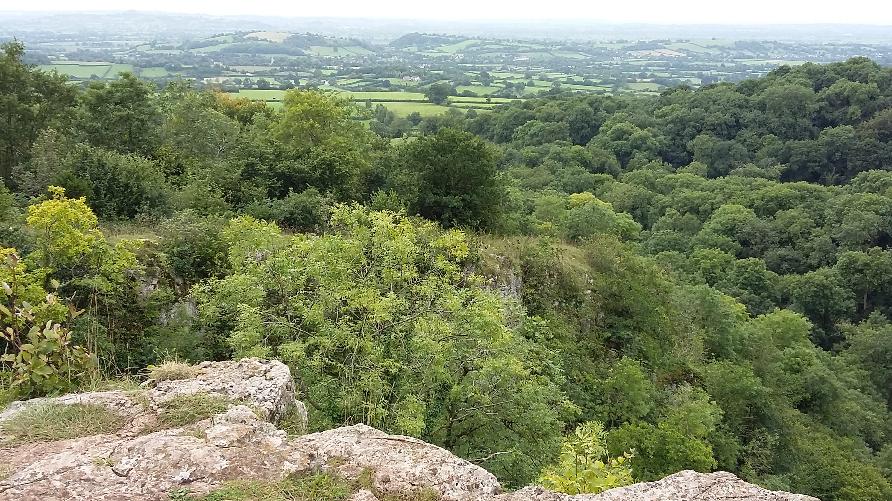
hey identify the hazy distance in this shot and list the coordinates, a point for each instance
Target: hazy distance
(870, 12)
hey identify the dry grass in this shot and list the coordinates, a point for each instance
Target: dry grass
(188, 409)
(171, 370)
(54, 421)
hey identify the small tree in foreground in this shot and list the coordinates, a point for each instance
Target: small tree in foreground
(584, 465)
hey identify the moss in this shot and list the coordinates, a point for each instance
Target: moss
(187, 409)
(54, 421)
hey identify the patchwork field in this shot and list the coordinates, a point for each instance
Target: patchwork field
(85, 70)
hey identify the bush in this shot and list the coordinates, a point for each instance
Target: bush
(41, 354)
(117, 185)
(584, 465)
(192, 246)
(307, 211)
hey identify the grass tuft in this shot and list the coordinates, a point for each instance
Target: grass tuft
(7, 392)
(319, 486)
(171, 370)
(315, 487)
(54, 421)
(188, 409)
(293, 423)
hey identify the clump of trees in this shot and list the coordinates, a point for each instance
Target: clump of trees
(705, 273)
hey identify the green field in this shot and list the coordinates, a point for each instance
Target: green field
(467, 99)
(475, 106)
(644, 86)
(403, 109)
(327, 51)
(262, 95)
(458, 47)
(385, 96)
(213, 48)
(84, 70)
(480, 90)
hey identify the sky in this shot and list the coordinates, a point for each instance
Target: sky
(877, 12)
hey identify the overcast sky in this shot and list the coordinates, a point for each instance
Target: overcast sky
(647, 11)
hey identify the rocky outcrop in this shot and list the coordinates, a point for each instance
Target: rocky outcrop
(396, 463)
(690, 485)
(683, 486)
(145, 461)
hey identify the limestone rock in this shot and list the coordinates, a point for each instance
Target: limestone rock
(397, 464)
(265, 384)
(692, 486)
(363, 495)
(683, 486)
(139, 462)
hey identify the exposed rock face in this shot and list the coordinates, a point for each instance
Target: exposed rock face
(398, 464)
(133, 464)
(683, 486)
(143, 462)
(267, 385)
(690, 485)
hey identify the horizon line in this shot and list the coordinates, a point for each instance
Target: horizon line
(465, 20)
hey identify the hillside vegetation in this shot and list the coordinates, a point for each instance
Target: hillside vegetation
(694, 280)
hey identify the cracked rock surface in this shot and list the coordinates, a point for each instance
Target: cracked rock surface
(143, 462)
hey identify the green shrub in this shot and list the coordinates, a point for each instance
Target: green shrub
(192, 246)
(40, 352)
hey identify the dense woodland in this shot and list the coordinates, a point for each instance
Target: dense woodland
(702, 277)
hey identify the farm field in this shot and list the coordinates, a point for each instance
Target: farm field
(327, 51)
(258, 64)
(468, 99)
(404, 109)
(85, 70)
(480, 90)
(400, 103)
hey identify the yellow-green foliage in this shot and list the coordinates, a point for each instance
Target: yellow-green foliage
(67, 237)
(584, 465)
(48, 422)
(65, 229)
